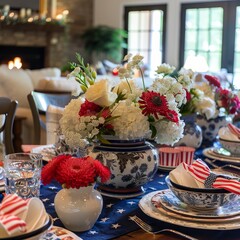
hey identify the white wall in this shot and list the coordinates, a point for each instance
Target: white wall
(110, 12)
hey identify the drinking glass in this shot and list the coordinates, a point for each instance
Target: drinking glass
(22, 174)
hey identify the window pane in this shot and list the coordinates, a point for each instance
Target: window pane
(216, 18)
(133, 40)
(144, 40)
(214, 61)
(144, 20)
(156, 22)
(204, 18)
(203, 40)
(190, 39)
(133, 21)
(191, 18)
(216, 40)
(156, 41)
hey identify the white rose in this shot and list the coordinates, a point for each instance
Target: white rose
(100, 93)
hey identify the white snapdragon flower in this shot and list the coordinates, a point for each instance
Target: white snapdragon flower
(174, 132)
(165, 69)
(100, 93)
(130, 122)
(74, 73)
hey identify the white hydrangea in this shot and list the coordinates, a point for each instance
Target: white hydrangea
(130, 122)
(169, 132)
(76, 128)
(169, 85)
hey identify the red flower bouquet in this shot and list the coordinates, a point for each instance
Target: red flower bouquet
(72, 172)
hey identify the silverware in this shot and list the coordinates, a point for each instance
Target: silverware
(146, 227)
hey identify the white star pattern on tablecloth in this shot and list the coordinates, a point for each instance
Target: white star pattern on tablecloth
(131, 203)
(162, 183)
(51, 205)
(45, 199)
(115, 226)
(55, 219)
(161, 175)
(52, 188)
(104, 219)
(93, 232)
(109, 205)
(152, 188)
(120, 210)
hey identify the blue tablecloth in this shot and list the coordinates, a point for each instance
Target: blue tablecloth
(114, 220)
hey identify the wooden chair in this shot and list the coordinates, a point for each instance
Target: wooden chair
(39, 102)
(7, 110)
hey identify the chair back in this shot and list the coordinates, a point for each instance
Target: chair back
(8, 109)
(39, 102)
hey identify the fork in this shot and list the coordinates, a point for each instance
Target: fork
(146, 227)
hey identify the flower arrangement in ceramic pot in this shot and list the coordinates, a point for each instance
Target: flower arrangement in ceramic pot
(126, 109)
(73, 172)
(216, 100)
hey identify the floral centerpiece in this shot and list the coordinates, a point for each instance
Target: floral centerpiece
(125, 109)
(72, 172)
(216, 100)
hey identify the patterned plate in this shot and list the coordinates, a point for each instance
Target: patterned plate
(209, 152)
(171, 203)
(146, 206)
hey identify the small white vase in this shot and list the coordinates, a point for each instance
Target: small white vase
(78, 209)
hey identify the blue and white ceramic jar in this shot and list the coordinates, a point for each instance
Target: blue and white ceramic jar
(211, 127)
(132, 164)
(192, 132)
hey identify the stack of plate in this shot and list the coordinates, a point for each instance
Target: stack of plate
(217, 153)
(165, 206)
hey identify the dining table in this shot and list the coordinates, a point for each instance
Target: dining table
(115, 221)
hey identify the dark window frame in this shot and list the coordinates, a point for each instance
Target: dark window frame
(228, 37)
(162, 7)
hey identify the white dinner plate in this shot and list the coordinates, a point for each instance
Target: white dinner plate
(166, 199)
(209, 152)
(147, 207)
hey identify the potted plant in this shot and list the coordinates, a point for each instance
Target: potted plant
(104, 42)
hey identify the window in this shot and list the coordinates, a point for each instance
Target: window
(211, 32)
(146, 27)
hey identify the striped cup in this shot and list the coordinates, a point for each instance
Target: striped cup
(186, 154)
(168, 157)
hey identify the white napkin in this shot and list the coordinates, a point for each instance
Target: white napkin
(225, 133)
(180, 176)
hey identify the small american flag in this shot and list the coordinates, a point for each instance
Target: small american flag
(202, 173)
(12, 224)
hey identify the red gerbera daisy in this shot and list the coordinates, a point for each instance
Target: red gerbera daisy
(74, 172)
(154, 103)
(213, 80)
(89, 109)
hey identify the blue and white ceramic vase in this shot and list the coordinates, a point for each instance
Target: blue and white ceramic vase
(192, 132)
(132, 164)
(211, 127)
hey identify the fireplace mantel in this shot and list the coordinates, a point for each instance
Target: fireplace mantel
(47, 27)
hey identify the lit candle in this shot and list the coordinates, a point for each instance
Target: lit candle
(43, 8)
(53, 8)
(22, 13)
